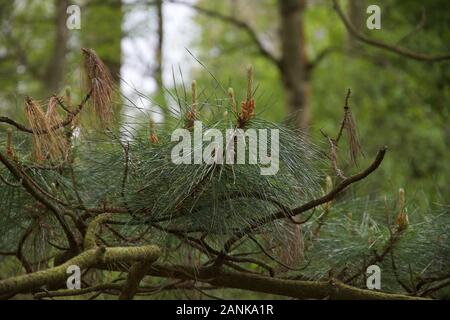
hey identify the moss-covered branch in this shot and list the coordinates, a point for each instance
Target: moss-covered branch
(332, 289)
(136, 273)
(88, 259)
(93, 228)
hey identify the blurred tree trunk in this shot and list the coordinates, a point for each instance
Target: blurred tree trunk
(159, 46)
(54, 74)
(295, 76)
(158, 68)
(294, 64)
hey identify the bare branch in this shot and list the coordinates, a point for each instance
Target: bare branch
(237, 23)
(321, 56)
(389, 47)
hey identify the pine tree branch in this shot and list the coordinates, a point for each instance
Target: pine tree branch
(388, 248)
(92, 229)
(91, 258)
(136, 273)
(30, 187)
(298, 289)
(77, 292)
(436, 287)
(311, 204)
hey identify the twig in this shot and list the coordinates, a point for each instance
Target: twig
(61, 104)
(393, 240)
(392, 48)
(17, 185)
(33, 191)
(237, 23)
(64, 123)
(270, 256)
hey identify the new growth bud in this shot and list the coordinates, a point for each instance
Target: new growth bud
(402, 218)
(328, 188)
(192, 115)
(232, 100)
(9, 143)
(248, 106)
(153, 137)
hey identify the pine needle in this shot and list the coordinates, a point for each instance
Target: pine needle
(36, 119)
(57, 146)
(101, 85)
(48, 139)
(349, 125)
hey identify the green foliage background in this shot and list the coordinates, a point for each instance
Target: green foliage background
(396, 102)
